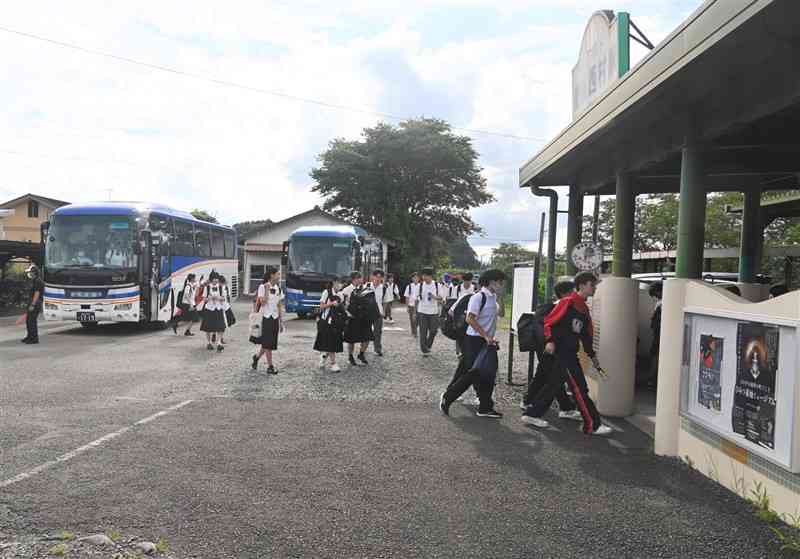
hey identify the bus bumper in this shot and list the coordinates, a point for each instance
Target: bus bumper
(299, 302)
(90, 311)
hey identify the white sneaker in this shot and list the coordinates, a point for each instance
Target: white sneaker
(335, 369)
(323, 360)
(603, 431)
(535, 421)
(574, 415)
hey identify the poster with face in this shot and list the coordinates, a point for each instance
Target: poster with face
(757, 351)
(709, 393)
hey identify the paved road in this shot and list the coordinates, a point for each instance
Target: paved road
(310, 464)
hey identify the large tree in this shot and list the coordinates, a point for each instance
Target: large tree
(414, 183)
(506, 254)
(245, 228)
(203, 216)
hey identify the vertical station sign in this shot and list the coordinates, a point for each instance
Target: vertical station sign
(604, 58)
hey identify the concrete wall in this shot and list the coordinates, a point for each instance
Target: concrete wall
(718, 457)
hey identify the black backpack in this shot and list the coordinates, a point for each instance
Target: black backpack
(455, 326)
(530, 329)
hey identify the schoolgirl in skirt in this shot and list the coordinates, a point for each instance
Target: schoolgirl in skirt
(359, 325)
(230, 318)
(268, 301)
(213, 313)
(187, 306)
(330, 325)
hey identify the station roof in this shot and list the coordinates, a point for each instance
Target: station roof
(730, 73)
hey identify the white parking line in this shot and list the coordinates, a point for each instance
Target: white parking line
(94, 444)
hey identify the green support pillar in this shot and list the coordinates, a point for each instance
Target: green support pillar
(623, 227)
(752, 237)
(574, 225)
(691, 213)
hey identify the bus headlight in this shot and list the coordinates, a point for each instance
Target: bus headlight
(50, 307)
(123, 307)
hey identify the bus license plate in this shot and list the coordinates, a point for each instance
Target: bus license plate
(86, 317)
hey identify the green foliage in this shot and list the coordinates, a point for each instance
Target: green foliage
(59, 550)
(162, 546)
(246, 228)
(505, 255)
(66, 536)
(115, 536)
(414, 183)
(462, 255)
(203, 216)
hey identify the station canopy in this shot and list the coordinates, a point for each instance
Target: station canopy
(730, 74)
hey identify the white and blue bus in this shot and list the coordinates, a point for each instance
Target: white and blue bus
(315, 255)
(127, 261)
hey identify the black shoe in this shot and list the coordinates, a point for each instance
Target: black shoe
(491, 413)
(209, 347)
(187, 333)
(379, 353)
(352, 360)
(362, 359)
(271, 370)
(255, 362)
(220, 348)
(444, 406)
(31, 341)
(24, 340)
(175, 328)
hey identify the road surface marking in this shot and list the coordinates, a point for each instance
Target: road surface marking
(85, 448)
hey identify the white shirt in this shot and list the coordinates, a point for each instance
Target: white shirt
(465, 292)
(486, 317)
(227, 304)
(215, 298)
(412, 294)
(380, 291)
(390, 292)
(428, 301)
(271, 297)
(189, 293)
(324, 299)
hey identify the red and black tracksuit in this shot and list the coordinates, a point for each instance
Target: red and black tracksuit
(547, 375)
(568, 326)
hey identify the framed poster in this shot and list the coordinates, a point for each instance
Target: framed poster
(741, 382)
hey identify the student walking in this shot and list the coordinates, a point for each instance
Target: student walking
(34, 305)
(268, 302)
(391, 294)
(431, 295)
(187, 306)
(213, 313)
(230, 318)
(482, 314)
(379, 289)
(566, 328)
(548, 382)
(360, 317)
(465, 289)
(412, 297)
(330, 326)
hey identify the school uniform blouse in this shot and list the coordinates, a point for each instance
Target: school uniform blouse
(189, 293)
(215, 298)
(271, 296)
(391, 292)
(412, 294)
(324, 299)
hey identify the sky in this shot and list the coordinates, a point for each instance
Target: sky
(81, 127)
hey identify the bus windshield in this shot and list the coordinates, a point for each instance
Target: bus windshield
(91, 241)
(329, 256)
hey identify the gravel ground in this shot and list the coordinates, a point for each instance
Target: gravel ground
(310, 463)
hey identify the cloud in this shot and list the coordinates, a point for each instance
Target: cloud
(74, 125)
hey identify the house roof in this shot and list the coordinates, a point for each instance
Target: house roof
(312, 211)
(43, 200)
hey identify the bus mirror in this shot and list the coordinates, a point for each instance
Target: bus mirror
(45, 228)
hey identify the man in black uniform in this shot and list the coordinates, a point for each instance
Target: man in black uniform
(34, 306)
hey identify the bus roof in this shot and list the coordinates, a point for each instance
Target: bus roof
(328, 231)
(129, 208)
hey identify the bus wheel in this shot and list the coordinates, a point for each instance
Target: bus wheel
(89, 325)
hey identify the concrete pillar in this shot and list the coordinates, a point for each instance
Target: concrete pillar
(615, 312)
(574, 225)
(752, 237)
(692, 213)
(623, 227)
(670, 362)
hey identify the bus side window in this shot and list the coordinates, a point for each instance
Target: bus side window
(184, 239)
(230, 245)
(202, 240)
(161, 229)
(217, 244)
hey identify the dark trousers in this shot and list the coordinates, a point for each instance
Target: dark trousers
(472, 347)
(547, 385)
(32, 324)
(377, 334)
(428, 326)
(412, 319)
(568, 369)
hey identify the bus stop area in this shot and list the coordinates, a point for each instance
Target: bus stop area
(690, 119)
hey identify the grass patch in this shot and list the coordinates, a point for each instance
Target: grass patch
(115, 536)
(59, 550)
(162, 546)
(65, 536)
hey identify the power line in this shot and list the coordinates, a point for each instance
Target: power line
(245, 87)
